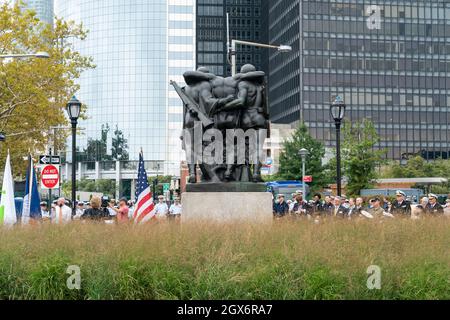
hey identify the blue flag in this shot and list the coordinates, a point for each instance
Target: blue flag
(31, 201)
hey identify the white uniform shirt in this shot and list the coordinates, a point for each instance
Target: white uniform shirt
(161, 210)
(62, 215)
(175, 209)
(130, 213)
(45, 215)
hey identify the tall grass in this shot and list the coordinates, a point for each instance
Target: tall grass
(291, 260)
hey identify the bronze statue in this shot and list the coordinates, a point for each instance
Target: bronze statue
(224, 104)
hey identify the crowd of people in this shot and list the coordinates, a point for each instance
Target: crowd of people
(357, 208)
(111, 211)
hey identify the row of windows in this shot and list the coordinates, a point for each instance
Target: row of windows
(181, 40)
(381, 81)
(210, 11)
(210, 46)
(368, 64)
(376, 46)
(381, 99)
(389, 10)
(181, 9)
(360, 27)
(245, 12)
(244, 2)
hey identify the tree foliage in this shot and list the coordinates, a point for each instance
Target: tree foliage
(33, 92)
(360, 158)
(418, 167)
(105, 186)
(291, 162)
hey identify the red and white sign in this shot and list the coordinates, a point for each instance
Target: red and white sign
(50, 177)
(308, 179)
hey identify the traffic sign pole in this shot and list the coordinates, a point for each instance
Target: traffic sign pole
(50, 190)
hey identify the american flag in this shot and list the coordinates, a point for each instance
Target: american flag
(145, 208)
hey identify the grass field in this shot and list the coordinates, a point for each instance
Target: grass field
(295, 260)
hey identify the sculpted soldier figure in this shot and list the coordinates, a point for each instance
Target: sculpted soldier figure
(225, 88)
(194, 107)
(198, 106)
(251, 100)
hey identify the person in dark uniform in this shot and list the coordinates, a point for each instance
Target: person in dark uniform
(280, 207)
(301, 207)
(317, 204)
(400, 207)
(327, 207)
(434, 208)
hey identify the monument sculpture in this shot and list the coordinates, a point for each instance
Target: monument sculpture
(229, 106)
(225, 124)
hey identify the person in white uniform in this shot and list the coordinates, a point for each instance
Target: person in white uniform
(175, 210)
(62, 213)
(162, 209)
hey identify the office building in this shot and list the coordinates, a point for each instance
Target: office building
(388, 59)
(247, 22)
(138, 47)
(43, 8)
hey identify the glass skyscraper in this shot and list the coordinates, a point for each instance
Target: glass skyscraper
(44, 9)
(247, 22)
(138, 47)
(389, 59)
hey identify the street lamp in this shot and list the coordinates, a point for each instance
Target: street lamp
(73, 111)
(303, 153)
(39, 55)
(231, 47)
(337, 111)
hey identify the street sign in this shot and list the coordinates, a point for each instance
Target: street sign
(166, 187)
(50, 177)
(54, 160)
(308, 179)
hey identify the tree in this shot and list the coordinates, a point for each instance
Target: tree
(107, 187)
(291, 162)
(418, 167)
(119, 146)
(360, 158)
(33, 92)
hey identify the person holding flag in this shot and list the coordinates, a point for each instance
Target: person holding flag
(31, 202)
(145, 208)
(7, 205)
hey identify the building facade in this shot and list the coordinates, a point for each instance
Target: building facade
(138, 47)
(389, 59)
(247, 22)
(44, 9)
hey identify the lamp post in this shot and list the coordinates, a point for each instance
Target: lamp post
(73, 110)
(232, 46)
(39, 55)
(337, 111)
(303, 154)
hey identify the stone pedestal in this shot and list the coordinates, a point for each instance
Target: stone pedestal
(226, 207)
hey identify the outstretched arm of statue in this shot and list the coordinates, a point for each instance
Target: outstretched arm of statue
(220, 103)
(239, 103)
